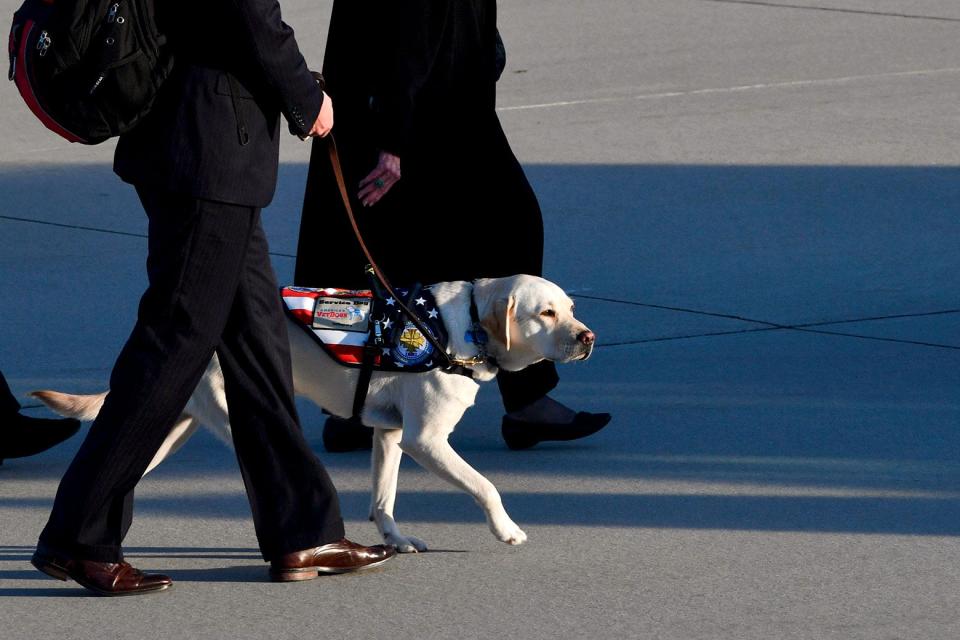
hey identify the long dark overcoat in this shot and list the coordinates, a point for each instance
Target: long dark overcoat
(418, 79)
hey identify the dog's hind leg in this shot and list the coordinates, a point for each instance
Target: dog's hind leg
(180, 433)
(207, 405)
(427, 444)
(386, 467)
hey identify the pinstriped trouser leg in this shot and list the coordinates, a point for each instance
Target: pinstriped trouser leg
(293, 501)
(199, 275)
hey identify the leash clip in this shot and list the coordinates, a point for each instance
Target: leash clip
(472, 361)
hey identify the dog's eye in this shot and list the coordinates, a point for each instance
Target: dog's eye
(548, 313)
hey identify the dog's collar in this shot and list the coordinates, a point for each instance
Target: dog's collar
(476, 335)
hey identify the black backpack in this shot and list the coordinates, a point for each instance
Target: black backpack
(88, 69)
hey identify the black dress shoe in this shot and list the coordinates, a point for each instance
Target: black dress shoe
(22, 436)
(520, 434)
(346, 434)
(103, 578)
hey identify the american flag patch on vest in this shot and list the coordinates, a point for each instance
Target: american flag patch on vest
(342, 321)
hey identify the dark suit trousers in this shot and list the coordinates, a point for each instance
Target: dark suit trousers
(211, 289)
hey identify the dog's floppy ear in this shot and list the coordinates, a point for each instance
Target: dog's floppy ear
(498, 322)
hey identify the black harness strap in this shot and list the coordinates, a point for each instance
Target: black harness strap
(370, 351)
(376, 343)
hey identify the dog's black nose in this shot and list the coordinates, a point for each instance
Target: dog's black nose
(586, 337)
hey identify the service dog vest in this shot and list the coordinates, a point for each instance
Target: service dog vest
(343, 321)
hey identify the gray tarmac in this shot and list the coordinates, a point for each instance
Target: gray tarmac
(756, 205)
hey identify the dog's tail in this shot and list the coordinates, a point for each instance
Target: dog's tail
(71, 406)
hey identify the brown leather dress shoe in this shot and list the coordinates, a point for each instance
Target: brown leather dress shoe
(342, 556)
(103, 578)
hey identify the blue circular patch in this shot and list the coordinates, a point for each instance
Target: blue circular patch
(412, 347)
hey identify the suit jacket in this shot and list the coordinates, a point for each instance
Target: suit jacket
(214, 132)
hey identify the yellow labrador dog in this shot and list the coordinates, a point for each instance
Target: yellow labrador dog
(527, 319)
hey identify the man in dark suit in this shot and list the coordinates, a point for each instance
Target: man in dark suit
(204, 162)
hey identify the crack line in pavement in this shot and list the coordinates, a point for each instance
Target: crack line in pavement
(773, 326)
(101, 230)
(770, 326)
(866, 12)
(74, 226)
(735, 89)
(799, 328)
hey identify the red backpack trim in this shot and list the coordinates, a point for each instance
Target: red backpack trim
(22, 79)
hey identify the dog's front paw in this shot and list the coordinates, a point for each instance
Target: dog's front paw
(515, 537)
(508, 531)
(405, 544)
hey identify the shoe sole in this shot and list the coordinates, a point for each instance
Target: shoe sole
(519, 443)
(52, 569)
(518, 436)
(311, 573)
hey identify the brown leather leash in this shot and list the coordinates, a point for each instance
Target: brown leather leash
(341, 184)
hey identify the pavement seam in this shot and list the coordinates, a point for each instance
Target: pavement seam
(787, 84)
(769, 326)
(807, 327)
(102, 230)
(713, 334)
(866, 12)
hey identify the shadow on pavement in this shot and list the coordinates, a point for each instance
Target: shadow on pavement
(907, 515)
(784, 244)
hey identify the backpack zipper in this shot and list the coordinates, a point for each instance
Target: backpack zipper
(43, 43)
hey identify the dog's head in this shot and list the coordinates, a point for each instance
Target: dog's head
(529, 319)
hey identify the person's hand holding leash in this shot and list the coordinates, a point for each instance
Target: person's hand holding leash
(380, 180)
(324, 122)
